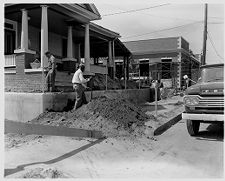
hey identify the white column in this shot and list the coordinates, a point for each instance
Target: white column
(87, 49)
(78, 50)
(70, 42)
(110, 53)
(24, 34)
(24, 31)
(113, 59)
(69, 57)
(44, 34)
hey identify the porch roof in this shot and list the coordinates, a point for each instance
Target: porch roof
(82, 13)
(76, 15)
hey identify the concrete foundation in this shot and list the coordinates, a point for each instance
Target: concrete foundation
(23, 106)
(26, 106)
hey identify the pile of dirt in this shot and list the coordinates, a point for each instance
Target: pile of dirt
(98, 82)
(130, 84)
(167, 93)
(43, 173)
(113, 117)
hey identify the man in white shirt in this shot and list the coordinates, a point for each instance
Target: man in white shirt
(79, 87)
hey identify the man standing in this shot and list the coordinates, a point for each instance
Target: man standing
(50, 78)
(79, 87)
(187, 81)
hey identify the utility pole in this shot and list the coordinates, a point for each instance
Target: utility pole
(203, 62)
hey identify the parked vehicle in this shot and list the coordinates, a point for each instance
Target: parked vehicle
(204, 101)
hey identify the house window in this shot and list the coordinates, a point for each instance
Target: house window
(144, 68)
(9, 42)
(166, 68)
(9, 26)
(10, 29)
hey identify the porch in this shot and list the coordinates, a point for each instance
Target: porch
(31, 30)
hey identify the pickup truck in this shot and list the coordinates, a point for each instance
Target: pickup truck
(204, 101)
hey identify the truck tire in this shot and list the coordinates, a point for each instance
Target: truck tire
(193, 127)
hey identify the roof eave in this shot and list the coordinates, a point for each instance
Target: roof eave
(106, 32)
(81, 11)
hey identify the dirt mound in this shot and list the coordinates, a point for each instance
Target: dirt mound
(167, 93)
(43, 173)
(114, 117)
(98, 82)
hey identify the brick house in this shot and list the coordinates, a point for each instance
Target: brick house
(165, 58)
(67, 31)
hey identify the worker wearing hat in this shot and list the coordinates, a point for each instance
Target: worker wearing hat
(51, 68)
(79, 87)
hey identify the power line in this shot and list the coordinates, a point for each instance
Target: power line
(216, 23)
(170, 17)
(135, 10)
(216, 17)
(166, 17)
(162, 30)
(211, 41)
(133, 36)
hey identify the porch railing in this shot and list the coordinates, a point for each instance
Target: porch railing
(10, 60)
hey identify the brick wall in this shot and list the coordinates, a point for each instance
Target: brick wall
(157, 56)
(151, 45)
(21, 81)
(184, 44)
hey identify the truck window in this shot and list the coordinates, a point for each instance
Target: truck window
(212, 74)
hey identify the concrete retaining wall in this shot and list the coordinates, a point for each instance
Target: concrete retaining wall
(23, 106)
(26, 106)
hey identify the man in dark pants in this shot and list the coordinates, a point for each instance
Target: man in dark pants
(79, 87)
(50, 78)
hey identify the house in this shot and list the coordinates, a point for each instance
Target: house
(67, 31)
(168, 59)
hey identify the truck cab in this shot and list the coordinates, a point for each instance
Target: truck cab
(204, 101)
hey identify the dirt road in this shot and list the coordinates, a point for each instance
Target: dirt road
(173, 154)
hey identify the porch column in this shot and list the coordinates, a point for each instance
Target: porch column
(70, 42)
(110, 58)
(44, 35)
(113, 59)
(87, 49)
(127, 67)
(78, 56)
(69, 63)
(24, 31)
(24, 35)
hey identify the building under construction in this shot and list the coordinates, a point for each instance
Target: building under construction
(168, 59)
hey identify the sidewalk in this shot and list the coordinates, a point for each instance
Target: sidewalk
(168, 113)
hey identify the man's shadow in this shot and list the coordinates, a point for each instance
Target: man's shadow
(60, 158)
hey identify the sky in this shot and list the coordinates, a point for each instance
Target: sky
(166, 19)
